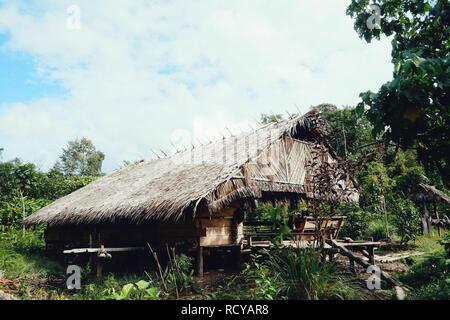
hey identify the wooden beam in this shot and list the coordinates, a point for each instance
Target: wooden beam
(95, 250)
(301, 141)
(276, 181)
(344, 251)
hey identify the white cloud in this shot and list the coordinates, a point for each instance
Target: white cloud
(138, 70)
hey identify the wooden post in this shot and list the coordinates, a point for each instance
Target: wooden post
(426, 221)
(436, 214)
(199, 262)
(90, 240)
(238, 257)
(93, 256)
(99, 267)
(370, 249)
(23, 211)
(330, 255)
(323, 257)
(352, 264)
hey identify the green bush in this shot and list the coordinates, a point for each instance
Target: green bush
(17, 239)
(112, 287)
(432, 268)
(264, 286)
(256, 282)
(141, 290)
(439, 290)
(288, 273)
(278, 215)
(12, 209)
(180, 274)
(21, 254)
(300, 275)
(430, 277)
(445, 241)
(407, 220)
(376, 229)
(355, 225)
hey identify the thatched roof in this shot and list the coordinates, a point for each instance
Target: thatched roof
(428, 193)
(209, 176)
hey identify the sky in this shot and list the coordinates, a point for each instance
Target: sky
(136, 76)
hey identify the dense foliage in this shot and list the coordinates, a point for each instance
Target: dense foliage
(80, 158)
(386, 176)
(283, 273)
(24, 189)
(430, 277)
(412, 110)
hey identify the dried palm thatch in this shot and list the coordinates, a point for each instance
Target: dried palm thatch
(274, 158)
(427, 193)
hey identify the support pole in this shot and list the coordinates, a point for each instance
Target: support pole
(99, 267)
(199, 262)
(426, 220)
(238, 257)
(371, 255)
(436, 214)
(351, 260)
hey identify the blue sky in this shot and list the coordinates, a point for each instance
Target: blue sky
(20, 80)
(138, 74)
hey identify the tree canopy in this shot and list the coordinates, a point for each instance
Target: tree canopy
(80, 158)
(412, 110)
(268, 118)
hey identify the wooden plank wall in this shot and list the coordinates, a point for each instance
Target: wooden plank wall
(221, 232)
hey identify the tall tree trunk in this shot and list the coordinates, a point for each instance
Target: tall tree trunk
(23, 211)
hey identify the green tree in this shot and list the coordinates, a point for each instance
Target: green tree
(16, 178)
(24, 189)
(412, 110)
(407, 173)
(352, 132)
(268, 118)
(376, 190)
(407, 220)
(80, 158)
(17, 181)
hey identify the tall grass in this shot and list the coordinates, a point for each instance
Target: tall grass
(22, 255)
(429, 276)
(301, 275)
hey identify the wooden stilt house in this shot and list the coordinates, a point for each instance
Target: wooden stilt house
(197, 197)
